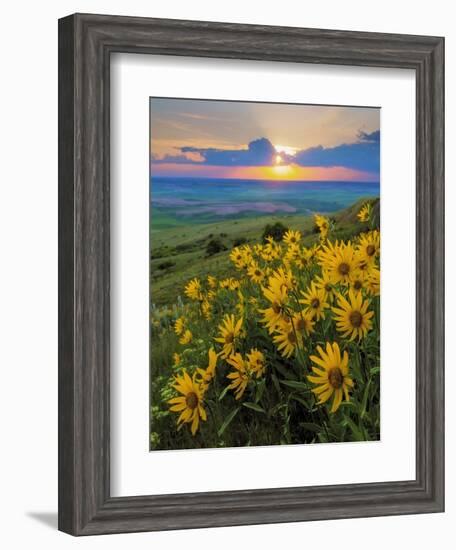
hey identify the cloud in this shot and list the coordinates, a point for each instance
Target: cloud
(190, 158)
(373, 137)
(362, 155)
(174, 159)
(259, 152)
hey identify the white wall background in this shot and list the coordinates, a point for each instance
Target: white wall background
(28, 271)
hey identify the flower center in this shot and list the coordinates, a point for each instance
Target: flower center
(191, 400)
(328, 287)
(335, 377)
(229, 338)
(344, 268)
(356, 319)
(315, 303)
(301, 325)
(357, 285)
(276, 308)
(292, 338)
(258, 273)
(370, 250)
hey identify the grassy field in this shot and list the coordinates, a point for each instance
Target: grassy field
(179, 254)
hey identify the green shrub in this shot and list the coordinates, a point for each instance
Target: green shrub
(214, 246)
(276, 231)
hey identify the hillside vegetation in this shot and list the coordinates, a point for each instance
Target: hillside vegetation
(179, 254)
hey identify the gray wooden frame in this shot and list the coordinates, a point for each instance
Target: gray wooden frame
(85, 45)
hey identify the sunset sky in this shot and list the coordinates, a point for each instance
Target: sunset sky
(241, 140)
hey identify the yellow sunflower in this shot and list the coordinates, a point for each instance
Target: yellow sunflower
(302, 259)
(176, 359)
(229, 330)
(240, 306)
(315, 300)
(271, 250)
(277, 295)
(364, 213)
(373, 282)
(368, 248)
(339, 261)
(331, 375)
(240, 377)
(186, 337)
(230, 284)
(211, 281)
(287, 340)
(283, 277)
(233, 284)
(256, 362)
(293, 253)
(206, 309)
(193, 289)
(352, 317)
(362, 265)
(179, 326)
(292, 237)
(359, 280)
(302, 322)
(255, 273)
(208, 373)
(322, 224)
(325, 283)
(190, 403)
(237, 257)
(313, 251)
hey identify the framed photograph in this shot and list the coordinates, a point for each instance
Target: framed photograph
(251, 274)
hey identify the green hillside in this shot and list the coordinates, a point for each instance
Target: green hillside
(180, 253)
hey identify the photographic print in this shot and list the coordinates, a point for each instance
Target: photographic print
(264, 274)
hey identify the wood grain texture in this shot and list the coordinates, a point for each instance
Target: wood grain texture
(85, 45)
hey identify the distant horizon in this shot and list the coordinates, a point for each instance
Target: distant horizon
(360, 182)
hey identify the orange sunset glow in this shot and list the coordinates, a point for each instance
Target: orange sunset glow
(287, 173)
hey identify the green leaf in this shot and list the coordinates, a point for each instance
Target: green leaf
(302, 401)
(283, 371)
(354, 428)
(364, 401)
(348, 404)
(296, 384)
(224, 392)
(254, 407)
(277, 408)
(275, 381)
(375, 370)
(260, 390)
(228, 420)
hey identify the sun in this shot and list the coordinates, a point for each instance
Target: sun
(281, 170)
(285, 149)
(278, 159)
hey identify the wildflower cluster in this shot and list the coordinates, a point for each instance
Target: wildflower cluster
(291, 338)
